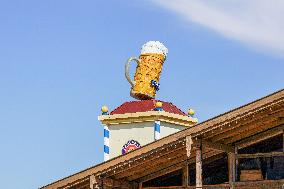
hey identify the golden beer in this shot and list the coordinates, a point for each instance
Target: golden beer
(148, 71)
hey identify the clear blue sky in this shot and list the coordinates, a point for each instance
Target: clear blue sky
(60, 61)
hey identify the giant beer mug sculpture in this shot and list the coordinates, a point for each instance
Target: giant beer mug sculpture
(148, 70)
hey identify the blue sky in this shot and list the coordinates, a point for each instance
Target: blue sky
(60, 61)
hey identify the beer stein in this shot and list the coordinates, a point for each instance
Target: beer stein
(148, 70)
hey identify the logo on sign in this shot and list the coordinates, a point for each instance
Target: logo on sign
(130, 146)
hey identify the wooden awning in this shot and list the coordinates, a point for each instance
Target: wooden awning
(237, 128)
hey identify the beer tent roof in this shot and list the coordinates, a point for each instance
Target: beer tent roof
(239, 127)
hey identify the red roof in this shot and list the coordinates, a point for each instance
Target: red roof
(144, 106)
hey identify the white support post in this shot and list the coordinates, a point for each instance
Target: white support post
(106, 143)
(157, 130)
(106, 135)
(157, 125)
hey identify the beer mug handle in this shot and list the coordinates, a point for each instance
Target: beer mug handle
(127, 65)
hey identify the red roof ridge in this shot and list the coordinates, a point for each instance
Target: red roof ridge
(144, 106)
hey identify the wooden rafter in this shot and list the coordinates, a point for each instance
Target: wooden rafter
(221, 121)
(174, 165)
(257, 155)
(127, 168)
(246, 127)
(161, 165)
(161, 172)
(251, 132)
(150, 165)
(260, 137)
(218, 146)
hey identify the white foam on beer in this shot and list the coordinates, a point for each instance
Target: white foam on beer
(154, 47)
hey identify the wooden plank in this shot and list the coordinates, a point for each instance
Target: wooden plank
(239, 114)
(236, 163)
(166, 187)
(247, 120)
(149, 170)
(199, 165)
(135, 185)
(161, 172)
(185, 175)
(164, 159)
(92, 181)
(264, 184)
(211, 157)
(232, 169)
(252, 124)
(168, 152)
(283, 141)
(218, 146)
(256, 138)
(257, 155)
(258, 127)
(78, 183)
(145, 159)
(188, 145)
(174, 167)
(255, 130)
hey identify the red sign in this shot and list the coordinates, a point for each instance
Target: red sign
(130, 146)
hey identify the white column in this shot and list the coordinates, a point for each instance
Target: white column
(106, 143)
(157, 130)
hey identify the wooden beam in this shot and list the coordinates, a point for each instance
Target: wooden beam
(83, 183)
(174, 167)
(135, 185)
(218, 146)
(188, 145)
(260, 137)
(232, 169)
(122, 184)
(236, 124)
(161, 172)
(199, 165)
(150, 170)
(248, 133)
(140, 185)
(237, 163)
(185, 175)
(93, 181)
(210, 158)
(238, 115)
(151, 161)
(252, 124)
(283, 141)
(246, 113)
(257, 155)
(150, 165)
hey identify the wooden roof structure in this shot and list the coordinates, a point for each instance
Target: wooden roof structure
(237, 128)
